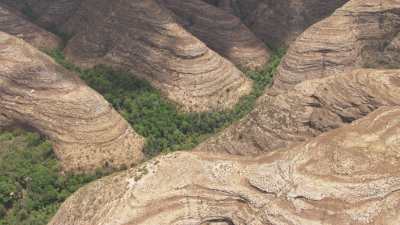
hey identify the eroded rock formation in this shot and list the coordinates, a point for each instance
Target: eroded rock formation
(346, 176)
(86, 132)
(57, 12)
(143, 37)
(363, 33)
(221, 31)
(5, 122)
(51, 14)
(14, 23)
(311, 108)
(279, 22)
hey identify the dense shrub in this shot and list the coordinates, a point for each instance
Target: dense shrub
(31, 187)
(157, 119)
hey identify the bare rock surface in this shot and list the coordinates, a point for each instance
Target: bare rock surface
(86, 132)
(14, 23)
(346, 176)
(143, 37)
(221, 31)
(279, 22)
(5, 122)
(311, 108)
(51, 14)
(56, 13)
(363, 33)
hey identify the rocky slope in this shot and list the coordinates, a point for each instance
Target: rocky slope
(14, 23)
(143, 37)
(346, 176)
(278, 23)
(85, 130)
(311, 108)
(57, 12)
(360, 34)
(221, 31)
(50, 14)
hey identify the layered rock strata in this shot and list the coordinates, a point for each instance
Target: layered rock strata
(14, 23)
(363, 33)
(346, 176)
(143, 37)
(221, 31)
(310, 109)
(86, 132)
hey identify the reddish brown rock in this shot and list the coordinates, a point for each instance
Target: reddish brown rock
(346, 176)
(311, 108)
(86, 132)
(221, 31)
(14, 23)
(363, 33)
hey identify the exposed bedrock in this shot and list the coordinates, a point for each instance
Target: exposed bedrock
(14, 23)
(363, 33)
(86, 132)
(143, 37)
(57, 13)
(51, 14)
(221, 31)
(279, 22)
(309, 109)
(346, 176)
(33, 7)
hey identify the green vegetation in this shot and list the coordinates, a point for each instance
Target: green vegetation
(31, 188)
(156, 118)
(28, 12)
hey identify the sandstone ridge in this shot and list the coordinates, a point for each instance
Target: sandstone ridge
(346, 176)
(86, 132)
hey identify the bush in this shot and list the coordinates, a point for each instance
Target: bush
(156, 118)
(31, 187)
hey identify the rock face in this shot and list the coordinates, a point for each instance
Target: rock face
(33, 7)
(221, 31)
(311, 108)
(279, 22)
(86, 132)
(143, 37)
(346, 176)
(5, 122)
(363, 33)
(57, 12)
(16, 24)
(50, 14)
